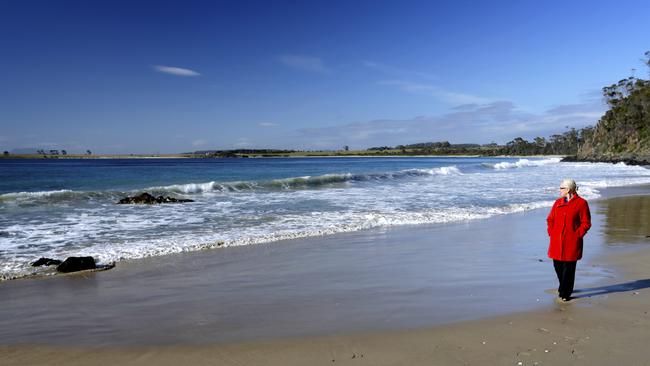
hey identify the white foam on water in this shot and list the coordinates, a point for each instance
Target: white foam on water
(445, 170)
(287, 227)
(27, 195)
(522, 163)
(301, 181)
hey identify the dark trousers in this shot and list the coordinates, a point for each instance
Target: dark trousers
(566, 274)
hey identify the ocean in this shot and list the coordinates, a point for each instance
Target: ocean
(67, 207)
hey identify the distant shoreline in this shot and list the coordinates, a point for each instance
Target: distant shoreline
(257, 156)
(97, 156)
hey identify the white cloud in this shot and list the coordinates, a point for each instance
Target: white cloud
(267, 124)
(242, 143)
(178, 71)
(51, 144)
(305, 63)
(404, 83)
(396, 71)
(439, 93)
(199, 142)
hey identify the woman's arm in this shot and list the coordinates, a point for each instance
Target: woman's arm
(550, 220)
(585, 219)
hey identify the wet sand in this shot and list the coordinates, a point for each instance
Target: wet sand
(607, 324)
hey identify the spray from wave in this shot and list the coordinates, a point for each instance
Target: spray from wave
(292, 183)
(521, 163)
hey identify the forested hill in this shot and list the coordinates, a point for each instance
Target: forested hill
(623, 133)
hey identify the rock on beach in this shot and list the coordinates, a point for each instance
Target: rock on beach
(148, 199)
(74, 264)
(46, 262)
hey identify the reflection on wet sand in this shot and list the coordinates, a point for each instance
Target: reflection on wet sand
(627, 219)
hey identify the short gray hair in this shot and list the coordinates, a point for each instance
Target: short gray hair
(570, 184)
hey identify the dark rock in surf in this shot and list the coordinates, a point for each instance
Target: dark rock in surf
(627, 160)
(147, 199)
(46, 262)
(163, 199)
(74, 264)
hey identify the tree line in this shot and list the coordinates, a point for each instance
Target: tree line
(566, 143)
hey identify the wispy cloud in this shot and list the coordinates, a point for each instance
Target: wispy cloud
(305, 63)
(199, 142)
(499, 121)
(396, 71)
(437, 92)
(267, 124)
(178, 71)
(48, 144)
(404, 81)
(242, 142)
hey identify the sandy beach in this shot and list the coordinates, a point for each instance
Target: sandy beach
(513, 321)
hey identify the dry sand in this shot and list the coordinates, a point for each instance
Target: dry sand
(605, 325)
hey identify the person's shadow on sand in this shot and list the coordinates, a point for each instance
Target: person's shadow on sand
(619, 287)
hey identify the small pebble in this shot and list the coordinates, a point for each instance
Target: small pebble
(520, 363)
(635, 293)
(484, 342)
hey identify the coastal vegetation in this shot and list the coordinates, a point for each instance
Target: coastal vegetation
(623, 132)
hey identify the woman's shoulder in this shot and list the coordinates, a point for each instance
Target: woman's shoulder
(580, 201)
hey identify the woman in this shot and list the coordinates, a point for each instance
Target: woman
(567, 224)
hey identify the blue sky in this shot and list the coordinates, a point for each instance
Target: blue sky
(173, 76)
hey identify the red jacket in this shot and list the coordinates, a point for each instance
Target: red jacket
(567, 223)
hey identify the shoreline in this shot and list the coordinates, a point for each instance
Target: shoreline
(604, 326)
(268, 156)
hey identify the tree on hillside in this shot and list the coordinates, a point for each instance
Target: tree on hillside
(624, 130)
(585, 134)
(540, 142)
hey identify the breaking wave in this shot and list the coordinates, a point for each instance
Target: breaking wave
(293, 183)
(305, 182)
(521, 163)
